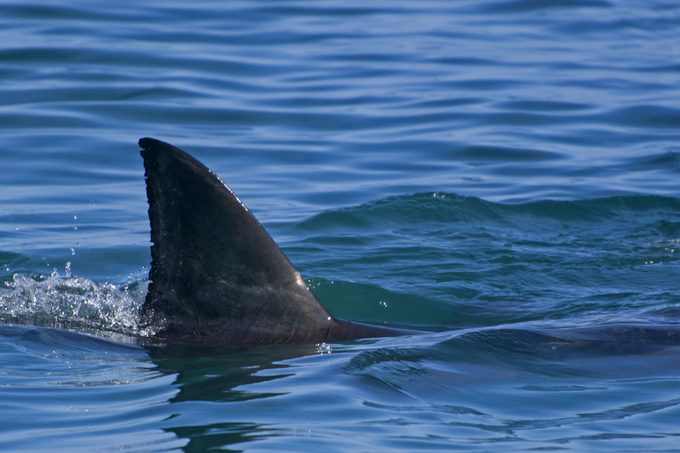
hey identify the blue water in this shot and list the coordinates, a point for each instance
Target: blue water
(502, 175)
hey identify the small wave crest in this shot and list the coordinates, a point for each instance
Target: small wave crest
(454, 208)
(71, 302)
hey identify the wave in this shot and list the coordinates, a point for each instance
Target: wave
(432, 207)
(465, 261)
(432, 261)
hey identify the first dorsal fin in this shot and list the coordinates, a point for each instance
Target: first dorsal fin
(216, 273)
(217, 277)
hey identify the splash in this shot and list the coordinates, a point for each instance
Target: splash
(71, 302)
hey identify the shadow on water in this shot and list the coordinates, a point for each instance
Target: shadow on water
(213, 376)
(207, 374)
(219, 435)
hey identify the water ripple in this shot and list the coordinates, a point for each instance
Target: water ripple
(491, 170)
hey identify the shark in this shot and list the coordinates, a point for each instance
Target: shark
(217, 278)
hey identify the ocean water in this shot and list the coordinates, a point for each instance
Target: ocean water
(502, 175)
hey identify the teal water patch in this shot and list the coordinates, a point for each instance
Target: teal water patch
(480, 262)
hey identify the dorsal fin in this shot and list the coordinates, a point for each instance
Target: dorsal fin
(217, 277)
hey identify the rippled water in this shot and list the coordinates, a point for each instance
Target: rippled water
(500, 174)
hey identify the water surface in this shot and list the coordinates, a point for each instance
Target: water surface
(502, 175)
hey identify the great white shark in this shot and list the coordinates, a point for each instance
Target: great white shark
(217, 277)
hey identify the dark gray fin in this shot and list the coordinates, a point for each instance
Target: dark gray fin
(217, 277)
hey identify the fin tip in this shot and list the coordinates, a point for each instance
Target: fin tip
(148, 142)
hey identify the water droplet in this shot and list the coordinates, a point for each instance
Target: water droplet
(323, 348)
